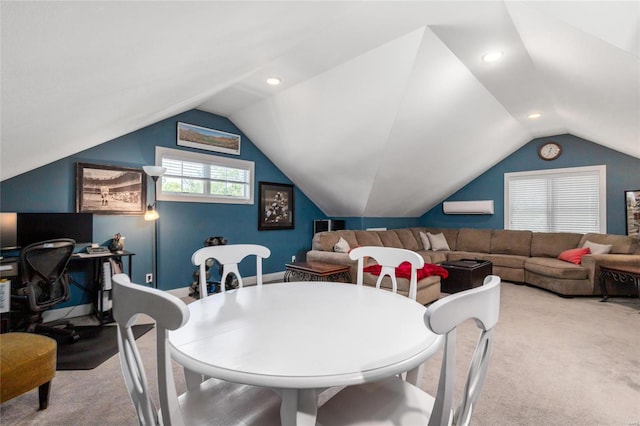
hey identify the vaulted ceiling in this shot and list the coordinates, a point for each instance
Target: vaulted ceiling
(380, 102)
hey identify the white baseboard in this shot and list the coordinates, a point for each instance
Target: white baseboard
(87, 308)
(248, 281)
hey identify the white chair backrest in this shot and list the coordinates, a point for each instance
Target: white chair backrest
(481, 304)
(170, 313)
(389, 258)
(229, 256)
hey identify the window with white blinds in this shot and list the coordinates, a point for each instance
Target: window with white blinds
(203, 178)
(557, 200)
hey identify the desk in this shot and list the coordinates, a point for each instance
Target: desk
(101, 285)
(303, 337)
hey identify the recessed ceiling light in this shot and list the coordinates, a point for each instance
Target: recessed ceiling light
(534, 115)
(492, 56)
(274, 81)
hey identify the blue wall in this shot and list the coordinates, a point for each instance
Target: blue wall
(182, 226)
(623, 174)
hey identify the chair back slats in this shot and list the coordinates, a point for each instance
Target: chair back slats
(389, 258)
(42, 268)
(482, 304)
(229, 256)
(170, 313)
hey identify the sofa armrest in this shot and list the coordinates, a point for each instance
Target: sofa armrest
(329, 257)
(593, 262)
(335, 258)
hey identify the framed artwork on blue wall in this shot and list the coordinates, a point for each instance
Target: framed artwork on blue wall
(632, 204)
(104, 189)
(275, 206)
(208, 139)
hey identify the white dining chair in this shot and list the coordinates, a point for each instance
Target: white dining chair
(228, 256)
(396, 402)
(389, 258)
(213, 402)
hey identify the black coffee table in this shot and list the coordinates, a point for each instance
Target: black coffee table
(465, 274)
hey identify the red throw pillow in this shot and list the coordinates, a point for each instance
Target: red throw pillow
(574, 255)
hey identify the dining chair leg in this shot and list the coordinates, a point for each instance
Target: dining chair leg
(299, 407)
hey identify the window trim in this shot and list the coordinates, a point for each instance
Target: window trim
(208, 159)
(602, 177)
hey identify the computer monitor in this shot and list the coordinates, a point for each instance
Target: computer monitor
(35, 227)
(8, 231)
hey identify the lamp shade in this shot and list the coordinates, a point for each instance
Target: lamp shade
(154, 170)
(151, 214)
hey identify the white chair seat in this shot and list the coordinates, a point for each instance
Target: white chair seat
(216, 402)
(392, 402)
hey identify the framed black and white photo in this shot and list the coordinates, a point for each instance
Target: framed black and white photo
(275, 206)
(208, 139)
(632, 204)
(104, 189)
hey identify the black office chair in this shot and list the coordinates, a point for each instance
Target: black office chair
(42, 285)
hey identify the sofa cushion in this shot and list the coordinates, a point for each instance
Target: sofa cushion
(342, 246)
(408, 239)
(478, 240)
(451, 234)
(507, 241)
(325, 241)
(552, 267)
(390, 239)
(574, 255)
(505, 260)
(426, 244)
(620, 244)
(438, 242)
(367, 238)
(403, 283)
(551, 244)
(596, 248)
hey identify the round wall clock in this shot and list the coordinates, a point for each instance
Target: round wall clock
(550, 151)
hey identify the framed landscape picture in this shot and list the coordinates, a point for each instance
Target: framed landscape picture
(632, 204)
(208, 139)
(110, 189)
(275, 206)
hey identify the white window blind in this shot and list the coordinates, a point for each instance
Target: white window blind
(195, 177)
(559, 200)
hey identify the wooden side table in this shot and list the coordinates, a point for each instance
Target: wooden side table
(316, 271)
(619, 274)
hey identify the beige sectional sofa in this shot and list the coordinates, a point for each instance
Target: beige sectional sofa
(517, 256)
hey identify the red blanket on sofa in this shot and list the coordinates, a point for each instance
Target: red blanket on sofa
(404, 270)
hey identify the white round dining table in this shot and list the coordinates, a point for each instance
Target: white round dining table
(300, 338)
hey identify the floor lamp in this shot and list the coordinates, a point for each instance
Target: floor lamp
(152, 214)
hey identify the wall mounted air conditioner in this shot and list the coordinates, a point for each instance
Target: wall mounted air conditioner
(468, 207)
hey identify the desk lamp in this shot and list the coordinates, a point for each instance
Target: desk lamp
(152, 214)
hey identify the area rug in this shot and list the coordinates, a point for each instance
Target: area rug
(96, 345)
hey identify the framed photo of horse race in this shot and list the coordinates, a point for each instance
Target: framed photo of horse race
(275, 206)
(102, 189)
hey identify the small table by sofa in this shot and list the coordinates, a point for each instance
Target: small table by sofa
(619, 274)
(316, 271)
(464, 274)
